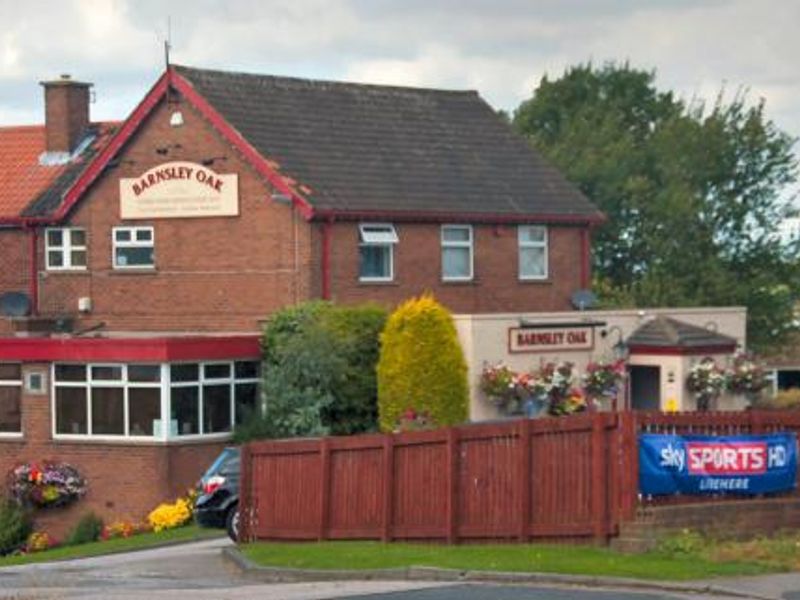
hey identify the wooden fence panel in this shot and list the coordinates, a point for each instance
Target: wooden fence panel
(570, 477)
(419, 508)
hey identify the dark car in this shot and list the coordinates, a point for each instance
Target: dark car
(217, 504)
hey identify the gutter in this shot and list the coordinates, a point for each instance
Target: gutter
(462, 217)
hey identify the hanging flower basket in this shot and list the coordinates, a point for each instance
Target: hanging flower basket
(746, 377)
(602, 381)
(46, 485)
(706, 380)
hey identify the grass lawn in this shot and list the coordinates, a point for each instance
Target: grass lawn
(137, 542)
(543, 558)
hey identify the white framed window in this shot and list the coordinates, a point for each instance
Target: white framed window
(533, 253)
(10, 399)
(376, 251)
(211, 398)
(153, 401)
(65, 248)
(457, 253)
(133, 247)
(107, 400)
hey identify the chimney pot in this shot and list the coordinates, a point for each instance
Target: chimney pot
(66, 107)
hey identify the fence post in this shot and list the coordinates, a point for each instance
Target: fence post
(325, 487)
(246, 508)
(524, 479)
(388, 487)
(452, 484)
(756, 422)
(599, 481)
(629, 469)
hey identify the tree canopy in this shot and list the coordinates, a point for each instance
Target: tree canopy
(694, 193)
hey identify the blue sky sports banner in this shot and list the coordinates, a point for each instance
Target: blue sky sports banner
(703, 464)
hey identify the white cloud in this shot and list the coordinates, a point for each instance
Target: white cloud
(500, 48)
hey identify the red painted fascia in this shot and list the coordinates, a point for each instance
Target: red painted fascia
(681, 350)
(252, 155)
(459, 217)
(156, 349)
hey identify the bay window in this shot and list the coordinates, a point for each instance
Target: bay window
(152, 401)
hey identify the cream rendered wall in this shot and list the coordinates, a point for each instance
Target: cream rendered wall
(484, 338)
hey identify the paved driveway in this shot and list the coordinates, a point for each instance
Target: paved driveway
(197, 571)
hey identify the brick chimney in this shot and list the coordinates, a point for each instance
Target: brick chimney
(66, 108)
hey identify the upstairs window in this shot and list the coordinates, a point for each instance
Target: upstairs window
(10, 398)
(376, 251)
(456, 252)
(532, 252)
(65, 249)
(134, 247)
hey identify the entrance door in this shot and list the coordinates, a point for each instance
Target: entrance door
(645, 387)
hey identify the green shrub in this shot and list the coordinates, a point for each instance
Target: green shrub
(783, 400)
(15, 526)
(319, 372)
(88, 529)
(421, 365)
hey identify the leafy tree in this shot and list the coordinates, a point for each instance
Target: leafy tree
(319, 372)
(421, 365)
(693, 193)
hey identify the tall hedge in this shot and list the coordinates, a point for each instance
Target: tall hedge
(318, 372)
(421, 365)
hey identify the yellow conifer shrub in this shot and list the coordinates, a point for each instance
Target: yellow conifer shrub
(421, 365)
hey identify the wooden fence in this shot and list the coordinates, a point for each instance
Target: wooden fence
(572, 477)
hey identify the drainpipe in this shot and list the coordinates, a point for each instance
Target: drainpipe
(34, 271)
(326, 258)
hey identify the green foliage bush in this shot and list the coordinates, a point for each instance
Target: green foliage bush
(319, 372)
(88, 529)
(15, 526)
(783, 400)
(421, 365)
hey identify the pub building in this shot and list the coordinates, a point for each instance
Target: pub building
(139, 259)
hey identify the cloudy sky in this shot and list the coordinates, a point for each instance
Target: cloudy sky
(501, 47)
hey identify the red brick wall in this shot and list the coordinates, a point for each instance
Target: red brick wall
(496, 286)
(14, 266)
(212, 274)
(125, 480)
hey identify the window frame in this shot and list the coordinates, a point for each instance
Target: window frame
(66, 249)
(457, 244)
(19, 384)
(389, 241)
(132, 243)
(527, 244)
(164, 385)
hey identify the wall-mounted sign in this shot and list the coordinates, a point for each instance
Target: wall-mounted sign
(701, 464)
(179, 190)
(544, 339)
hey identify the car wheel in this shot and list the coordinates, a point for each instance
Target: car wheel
(232, 523)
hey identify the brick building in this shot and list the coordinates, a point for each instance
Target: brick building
(139, 258)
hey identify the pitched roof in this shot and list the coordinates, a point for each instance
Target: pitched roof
(380, 148)
(666, 332)
(25, 181)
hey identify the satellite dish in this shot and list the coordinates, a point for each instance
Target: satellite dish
(583, 299)
(15, 304)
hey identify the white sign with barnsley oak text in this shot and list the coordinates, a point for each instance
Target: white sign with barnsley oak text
(179, 190)
(550, 339)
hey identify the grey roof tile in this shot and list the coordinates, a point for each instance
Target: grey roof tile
(668, 332)
(380, 148)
